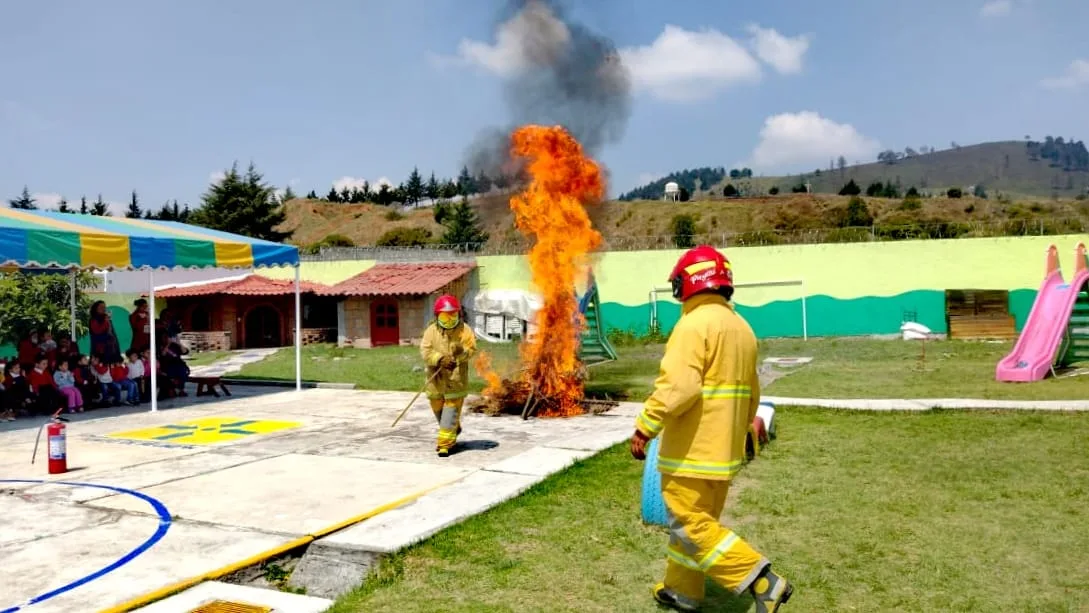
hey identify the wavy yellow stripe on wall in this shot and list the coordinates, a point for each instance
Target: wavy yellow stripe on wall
(845, 270)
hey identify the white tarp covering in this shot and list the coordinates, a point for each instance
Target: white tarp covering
(500, 314)
(511, 302)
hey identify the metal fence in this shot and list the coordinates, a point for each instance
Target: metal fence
(800, 236)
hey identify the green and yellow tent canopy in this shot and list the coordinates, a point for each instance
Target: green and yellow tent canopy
(47, 239)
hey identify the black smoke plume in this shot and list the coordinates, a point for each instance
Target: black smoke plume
(568, 76)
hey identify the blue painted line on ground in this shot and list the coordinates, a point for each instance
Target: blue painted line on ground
(236, 424)
(235, 431)
(160, 532)
(167, 437)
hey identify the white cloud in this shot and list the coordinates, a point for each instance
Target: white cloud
(1077, 75)
(678, 65)
(216, 176)
(996, 8)
(648, 177)
(783, 53)
(357, 183)
(794, 140)
(510, 54)
(682, 65)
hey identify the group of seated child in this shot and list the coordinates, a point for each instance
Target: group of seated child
(56, 381)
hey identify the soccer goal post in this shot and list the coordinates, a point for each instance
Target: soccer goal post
(799, 283)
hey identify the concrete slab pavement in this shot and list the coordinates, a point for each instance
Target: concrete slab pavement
(235, 499)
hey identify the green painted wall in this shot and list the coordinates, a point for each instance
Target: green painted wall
(851, 289)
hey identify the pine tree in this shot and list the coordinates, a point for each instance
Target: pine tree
(242, 204)
(463, 228)
(185, 213)
(414, 187)
(83, 205)
(134, 211)
(465, 183)
(384, 195)
(312, 195)
(449, 189)
(100, 208)
(483, 183)
(333, 196)
(24, 201)
(289, 194)
(62, 207)
(432, 190)
(345, 194)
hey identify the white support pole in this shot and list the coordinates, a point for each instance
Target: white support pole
(154, 344)
(805, 316)
(72, 304)
(298, 331)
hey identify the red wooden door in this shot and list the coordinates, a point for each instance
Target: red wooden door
(385, 327)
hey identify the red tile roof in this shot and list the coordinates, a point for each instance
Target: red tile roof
(252, 285)
(400, 279)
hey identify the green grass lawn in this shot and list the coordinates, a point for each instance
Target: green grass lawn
(920, 512)
(204, 358)
(842, 368)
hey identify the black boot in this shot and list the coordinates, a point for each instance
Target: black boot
(770, 591)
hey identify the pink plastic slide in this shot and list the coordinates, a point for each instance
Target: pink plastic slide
(1035, 351)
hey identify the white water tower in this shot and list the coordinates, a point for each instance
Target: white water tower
(672, 191)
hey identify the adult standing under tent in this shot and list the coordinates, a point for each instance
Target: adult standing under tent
(45, 239)
(703, 402)
(140, 322)
(104, 343)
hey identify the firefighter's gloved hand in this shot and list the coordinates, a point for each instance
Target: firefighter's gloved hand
(448, 362)
(639, 446)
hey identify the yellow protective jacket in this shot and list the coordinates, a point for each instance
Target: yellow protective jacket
(460, 343)
(706, 394)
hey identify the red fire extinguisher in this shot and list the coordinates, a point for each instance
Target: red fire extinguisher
(58, 448)
(57, 441)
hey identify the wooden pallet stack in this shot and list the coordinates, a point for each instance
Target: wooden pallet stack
(979, 314)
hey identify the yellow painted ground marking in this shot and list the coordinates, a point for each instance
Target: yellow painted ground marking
(207, 430)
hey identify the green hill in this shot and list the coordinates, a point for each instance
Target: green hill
(1054, 168)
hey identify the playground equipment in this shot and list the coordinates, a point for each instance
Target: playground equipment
(653, 509)
(594, 347)
(1056, 332)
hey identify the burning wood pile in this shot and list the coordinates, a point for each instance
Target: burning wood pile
(551, 211)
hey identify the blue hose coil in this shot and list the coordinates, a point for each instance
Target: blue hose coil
(654, 510)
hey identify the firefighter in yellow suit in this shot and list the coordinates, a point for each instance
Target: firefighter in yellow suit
(447, 346)
(704, 400)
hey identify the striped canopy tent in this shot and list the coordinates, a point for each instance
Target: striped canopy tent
(51, 240)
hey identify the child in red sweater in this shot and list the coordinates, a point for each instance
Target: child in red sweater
(48, 398)
(120, 374)
(110, 389)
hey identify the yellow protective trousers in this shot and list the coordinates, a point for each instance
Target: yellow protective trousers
(448, 414)
(699, 546)
(446, 393)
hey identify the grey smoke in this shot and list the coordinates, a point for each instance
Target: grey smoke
(568, 75)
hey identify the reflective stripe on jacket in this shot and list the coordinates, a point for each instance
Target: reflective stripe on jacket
(706, 393)
(458, 343)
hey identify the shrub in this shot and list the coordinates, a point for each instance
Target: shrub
(729, 191)
(683, 229)
(851, 189)
(911, 204)
(954, 192)
(332, 240)
(848, 235)
(394, 215)
(405, 237)
(858, 214)
(774, 191)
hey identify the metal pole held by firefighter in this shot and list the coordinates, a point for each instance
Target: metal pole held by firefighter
(413, 401)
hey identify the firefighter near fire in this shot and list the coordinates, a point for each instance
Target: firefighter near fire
(446, 348)
(704, 400)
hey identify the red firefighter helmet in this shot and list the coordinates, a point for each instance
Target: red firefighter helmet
(700, 269)
(447, 304)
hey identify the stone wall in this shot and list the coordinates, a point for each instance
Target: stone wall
(313, 336)
(219, 340)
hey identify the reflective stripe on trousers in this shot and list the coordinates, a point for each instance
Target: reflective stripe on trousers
(699, 546)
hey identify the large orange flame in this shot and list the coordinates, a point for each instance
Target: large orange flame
(551, 211)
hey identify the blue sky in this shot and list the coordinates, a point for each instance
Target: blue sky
(157, 96)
